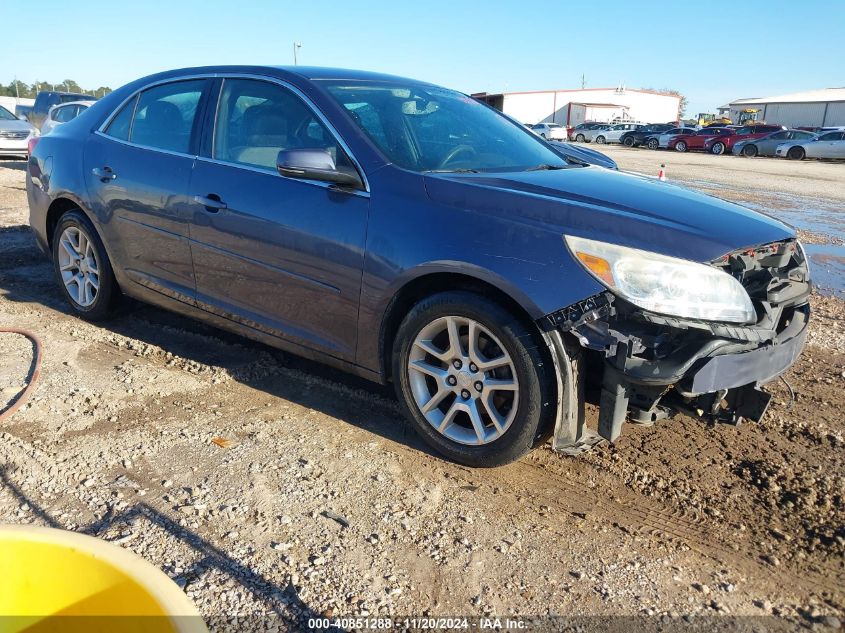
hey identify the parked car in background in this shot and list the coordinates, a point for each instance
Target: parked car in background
(550, 131)
(63, 113)
(14, 134)
(46, 99)
(410, 234)
(591, 134)
(661, 141)
(584, 154)
(724, 144)
(614, 132)
(580, 131)
(766, 145)
(827, 145)
(635, 138)
(686, 142)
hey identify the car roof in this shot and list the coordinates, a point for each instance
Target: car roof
(317, 73)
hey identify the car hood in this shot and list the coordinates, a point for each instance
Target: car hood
(16, 125)
(611, 206)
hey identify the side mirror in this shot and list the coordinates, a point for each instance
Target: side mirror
(22, 117)
(314, 164)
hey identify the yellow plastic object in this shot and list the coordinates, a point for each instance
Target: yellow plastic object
(50, 579)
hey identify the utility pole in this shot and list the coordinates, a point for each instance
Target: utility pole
(296, 45)
(17, 92)
(583, 81)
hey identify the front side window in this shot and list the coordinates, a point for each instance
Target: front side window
(426, 128)
(258, 119)
(830, 136)
(164, 116)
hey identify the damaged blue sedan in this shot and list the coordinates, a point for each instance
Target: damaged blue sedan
(407, 233)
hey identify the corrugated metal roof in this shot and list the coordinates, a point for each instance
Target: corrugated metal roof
(825, 94)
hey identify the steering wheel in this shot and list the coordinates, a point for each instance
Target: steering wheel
(457, 151)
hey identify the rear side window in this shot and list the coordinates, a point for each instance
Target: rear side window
(164, 116)
(120, 124)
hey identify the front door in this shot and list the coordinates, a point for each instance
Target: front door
(278, 254)
(137, 171)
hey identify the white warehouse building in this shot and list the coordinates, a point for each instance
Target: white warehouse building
(814, 108)
(571, 107)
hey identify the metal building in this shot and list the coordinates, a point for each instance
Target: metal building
(570, 107)
(822, 108)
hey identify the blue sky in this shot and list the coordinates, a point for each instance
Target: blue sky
(712, 52)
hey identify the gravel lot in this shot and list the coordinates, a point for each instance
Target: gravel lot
(265, 484)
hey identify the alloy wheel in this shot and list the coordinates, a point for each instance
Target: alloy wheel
(463, 380)
(79, 267)
(718, 148)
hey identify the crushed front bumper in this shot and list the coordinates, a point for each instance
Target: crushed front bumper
(651, 366)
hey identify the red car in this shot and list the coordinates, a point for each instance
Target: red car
(684, 142)
(725, 144)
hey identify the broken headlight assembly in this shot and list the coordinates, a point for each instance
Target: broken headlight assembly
(662, 284)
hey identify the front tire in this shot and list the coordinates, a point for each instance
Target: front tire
(629, 141)
(472, 379)
(600, 140)
(750, 151)
(717, 148)
(82, 267)
(653, 143)
(579, 138)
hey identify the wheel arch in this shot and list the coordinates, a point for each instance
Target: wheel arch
(60, 205)
(432, 282)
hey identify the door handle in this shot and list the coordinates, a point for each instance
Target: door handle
(105, 174)
(211, 202)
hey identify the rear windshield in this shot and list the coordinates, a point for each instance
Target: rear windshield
(426, 128)
(5, 115)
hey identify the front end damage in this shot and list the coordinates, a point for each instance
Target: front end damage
(643, 367)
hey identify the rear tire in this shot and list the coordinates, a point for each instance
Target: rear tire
(524, 412)
(579, 138)
(82, 267)
(717, 148)
(653, 143)
(750, 151)
(796, 153)
(629, 141)
(600, 140)
(681, 146)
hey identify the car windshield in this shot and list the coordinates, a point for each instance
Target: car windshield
(5, 115)
(426, 128)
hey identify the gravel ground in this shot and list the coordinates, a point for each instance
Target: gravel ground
(265, 485)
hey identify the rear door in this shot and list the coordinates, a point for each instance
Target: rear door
(137, 169)
(767, 145)
(278, 254)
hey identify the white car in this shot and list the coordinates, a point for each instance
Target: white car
(14, 134)
(550, 131)
(62, 113)
(661, 141)
(827, 145)
(614, 132)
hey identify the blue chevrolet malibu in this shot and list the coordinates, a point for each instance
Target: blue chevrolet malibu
(408, 233)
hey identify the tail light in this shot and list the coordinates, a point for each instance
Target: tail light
(30, 146)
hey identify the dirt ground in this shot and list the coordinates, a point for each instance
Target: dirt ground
(265, 485)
